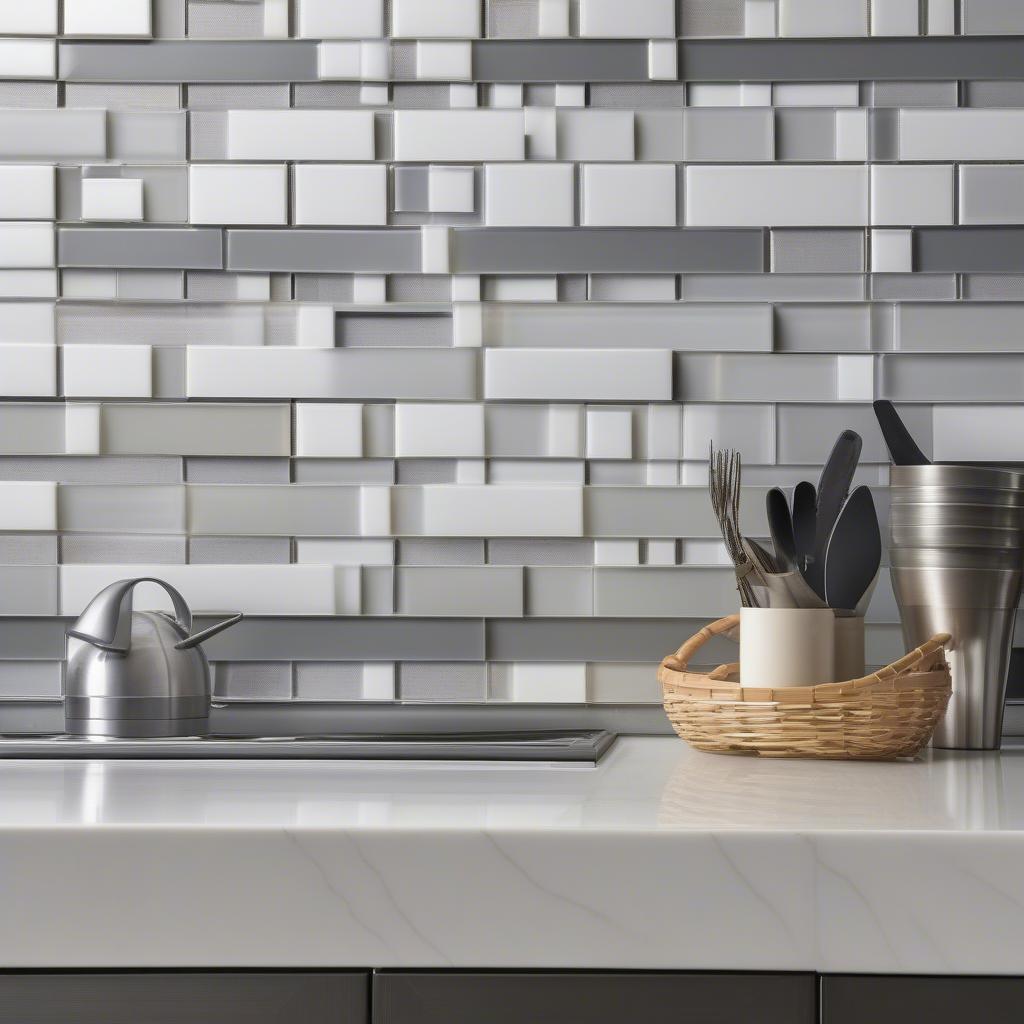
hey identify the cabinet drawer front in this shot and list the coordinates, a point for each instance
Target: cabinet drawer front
(145, 997)
(854, 999)
(592, 998)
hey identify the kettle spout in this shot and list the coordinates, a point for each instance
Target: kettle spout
(197, 638)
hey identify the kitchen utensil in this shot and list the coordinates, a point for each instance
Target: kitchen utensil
(805, 511)
(833, 488)
(902, 448)
(787, 646)
(978, 608)
(784, 589)
(137, 674)
(780, 523)
(725, 470)
(854, 551)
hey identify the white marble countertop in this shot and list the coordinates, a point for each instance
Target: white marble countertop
(660, 858)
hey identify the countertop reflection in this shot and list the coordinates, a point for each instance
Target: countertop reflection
(643, 784)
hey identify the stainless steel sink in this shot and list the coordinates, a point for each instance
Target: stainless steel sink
(582, 746)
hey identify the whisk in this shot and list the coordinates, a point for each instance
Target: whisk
(724, 474)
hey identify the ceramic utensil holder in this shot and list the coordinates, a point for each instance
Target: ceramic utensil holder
(849, 646)
(787, 646)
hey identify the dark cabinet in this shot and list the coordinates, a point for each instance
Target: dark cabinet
(453, 997)
(899, 999)
(183, 997)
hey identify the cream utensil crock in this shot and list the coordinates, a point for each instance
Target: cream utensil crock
(787, 646)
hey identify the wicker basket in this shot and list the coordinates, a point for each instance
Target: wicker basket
(891, 713)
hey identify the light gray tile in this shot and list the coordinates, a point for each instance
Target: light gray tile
(914, 94)
(516, 431)
(993, 286)
(37, 95)
(441, 551)
(420, 288)
(146, 135)
(799, 251)
(239, 551)
(267, 511)
(511, 19)
(169, 19)
(960, 327)
(343, 471)
(195, 429)
(459, 590)
(155, 286)
(268, 680)
(356, 330)
(978, 433)
(224, 19)
(378, 590)
(659, 135)
(646, 592)
(31, 679)
(711, 18)
(199, 470)
(411, 189)
(623, 684)
(537, 471)
(807, 432)
(116, 550)
(208, 135)
(169, 373)
(420, 96)
(171, 248)
(92, 470)
(160, 324)
(664, 512)
(328, 680)
(28, 429)
(323, 287)
(541, 551)
(831, 328)
(992, 17)
(913, 287)
(681, 327)
(328, 251)
(53, 134)
(753, 378)
(122, 97)
(636, 96)
(559, 591)
(607, 250)
(772, 287)
(327, 95)
(548, 60)
(991, 194)
(110, 508)
(37, 639)
(278, 61)
(728, 135)
(951, 378)
(994, 94)
(28, 549)
(425, 471)
(238, 97)
(804, 134)
(28, 590)
(750, 428)
(442, 681)
(616, 474)
(969, 250)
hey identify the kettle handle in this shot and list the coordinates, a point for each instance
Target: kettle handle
(107, 619)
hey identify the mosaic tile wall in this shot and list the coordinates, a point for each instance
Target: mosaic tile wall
(404, 326)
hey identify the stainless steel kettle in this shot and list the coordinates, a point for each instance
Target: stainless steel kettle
(137, 674)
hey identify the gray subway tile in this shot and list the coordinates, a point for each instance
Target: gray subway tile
(169, 19)
(960, 327)
(994, 94)
(663, 512)
(659, 135)
(201, 470)
(377, 590)
(441, 551)
(328, 251)
(540, 551)
(28, 590)
(546, 60)
(800, 251)
(172, 248)
(883, 134)
(93, 469)
(30, 429)
(772, 287)
(239, 550)
(913, 287)
(454, 591)
(343, 471)
(157, 286)
(34, 95)
(623, 684)
(728, 135)
(237, 97)
(661, 97)
(993, 286)
(940, 377)
(512, 19)
(32, 639)
(107, 508)
(146, 135)
(559, 591)
(268, 680)
(807, 327)
(31, 679)
(992, 250)
(266, 511)
(643, 250)
(411, 189)
(721, 18)
(992, 17)
(122, 97)
(442, 681)
(328, 680)
(169, 373)
(647, 591)
(53, 134)
(914, 94)
(99, 549)
(804, 134)
(28, 549)
(807, 432)
(394, 331)
(425, 471)
(991, 194)
(751, 428)
(516, 431)
(279, 61)
(159, 324)
(755, 377)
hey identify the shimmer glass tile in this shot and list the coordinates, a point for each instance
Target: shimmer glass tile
(798, 251)
(548, 60)
(451, 682)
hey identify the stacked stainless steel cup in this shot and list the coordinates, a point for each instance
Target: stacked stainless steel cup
(957, 553)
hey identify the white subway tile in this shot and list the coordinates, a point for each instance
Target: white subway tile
(940, 17)
(328, 430)
(471, 135)
(439, 430)
(565, 431)
(629, 195)
(814, 18)
(971, 433)
(522, 288)
(661, 552)
(437, 19)
(549, 683)
(471, 471)
(756, 94)
(663, 60)
(88, 284)
(779, 196)
(300, 135)
(28, 284)
(664, 432)
(108, 371)
(28, 192)
(253, 589)
(975, 134)
(28, 505)
(855, 378)
(340, 60)
(852, 135)
(379, 680)
(716, 94)
(507, 95)
(27, 323)
(37, 18)
(375, 511)
(28, 58)
(529, 195)
(341, 194)
(435, 249)
(463, 95)
(448, 61)
(369, 289)
(570, 94)
(451, 190)
(541, 133)
(329, 19)
(26, 245)
(276, 19)
(346, 551)
(117, 199)
(895, 17)
(237, 194)
(108, 17)
(609, 434)
(375, 94)
(816, 94)
(502, 511)
(596, 135)
(616, 552)
(661, 474)
(468, 325)
(314, 326)
(643, 19)
(465, 288)
(552, 18)
(582, 375)
(28, 371)
(891, 251)
(911, 194)
(81, 428)
(375, 61)
(759, 19)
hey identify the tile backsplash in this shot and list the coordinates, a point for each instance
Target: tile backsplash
(404, 326)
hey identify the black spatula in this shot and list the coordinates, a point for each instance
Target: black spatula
(903, 449)
(833, 489)
(805, 512)
(854, 551)
(780, 523)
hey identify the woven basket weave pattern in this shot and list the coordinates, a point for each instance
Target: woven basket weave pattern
(891, 713)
